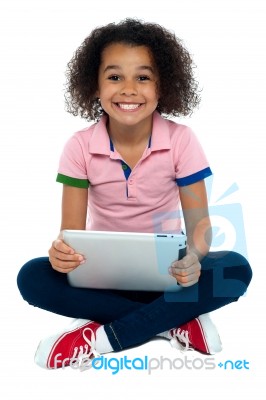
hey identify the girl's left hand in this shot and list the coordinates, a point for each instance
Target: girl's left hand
(187, 270)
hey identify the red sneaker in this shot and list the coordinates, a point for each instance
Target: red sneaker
(199, 334)
(74, 347)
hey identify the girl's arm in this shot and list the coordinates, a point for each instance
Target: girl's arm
(74, 208)
(74, 213)
(196, 215)
(198, 230)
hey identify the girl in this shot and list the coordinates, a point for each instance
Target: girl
(128, 172)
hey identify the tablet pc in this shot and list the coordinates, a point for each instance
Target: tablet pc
(125, 260)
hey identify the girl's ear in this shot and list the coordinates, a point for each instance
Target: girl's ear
(97, 93)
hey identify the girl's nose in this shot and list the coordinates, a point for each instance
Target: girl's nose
(128, 88)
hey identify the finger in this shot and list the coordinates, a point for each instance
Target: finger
(61, 251)
(63, 266)
(58, 255)
(187, 280)
(62, 247)
(184, 270)
(190, 283)
(186, 262)
(186, 276)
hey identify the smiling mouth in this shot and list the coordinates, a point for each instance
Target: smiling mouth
(128, 106)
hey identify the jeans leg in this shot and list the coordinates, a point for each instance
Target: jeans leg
(131, 318)
(225, 277)
(41, 286)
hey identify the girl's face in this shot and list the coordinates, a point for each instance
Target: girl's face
(128, 84)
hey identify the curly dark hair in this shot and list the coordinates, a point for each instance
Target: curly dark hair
(178, 89)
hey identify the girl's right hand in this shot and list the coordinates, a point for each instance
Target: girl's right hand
(63, 258)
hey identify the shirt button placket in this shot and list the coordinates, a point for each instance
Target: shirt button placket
(131, 188)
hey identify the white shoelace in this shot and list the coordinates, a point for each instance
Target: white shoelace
(85, 354)
(180, 339)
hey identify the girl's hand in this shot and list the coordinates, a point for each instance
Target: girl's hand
(63, 258)
(187, 270)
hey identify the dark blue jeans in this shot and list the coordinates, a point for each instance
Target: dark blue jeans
(131, 318)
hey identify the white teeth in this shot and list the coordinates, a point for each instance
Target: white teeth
(128, 106)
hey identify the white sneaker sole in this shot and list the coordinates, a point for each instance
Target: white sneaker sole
(45, 346)
(211, 334)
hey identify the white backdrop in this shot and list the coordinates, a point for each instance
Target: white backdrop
(38, 38)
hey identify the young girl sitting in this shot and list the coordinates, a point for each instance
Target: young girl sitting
(128, 172)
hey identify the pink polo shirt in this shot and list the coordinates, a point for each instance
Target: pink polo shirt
(145, 199)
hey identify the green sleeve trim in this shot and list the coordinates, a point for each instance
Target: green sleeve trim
(67, 180)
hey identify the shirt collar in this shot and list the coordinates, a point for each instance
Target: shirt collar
(160, 138)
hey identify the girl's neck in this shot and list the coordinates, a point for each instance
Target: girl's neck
(126, 135)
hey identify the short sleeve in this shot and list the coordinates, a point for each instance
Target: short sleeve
(72, 169)
(191, 164)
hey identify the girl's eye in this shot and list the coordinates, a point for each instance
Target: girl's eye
(143, 78)
(114, 78)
